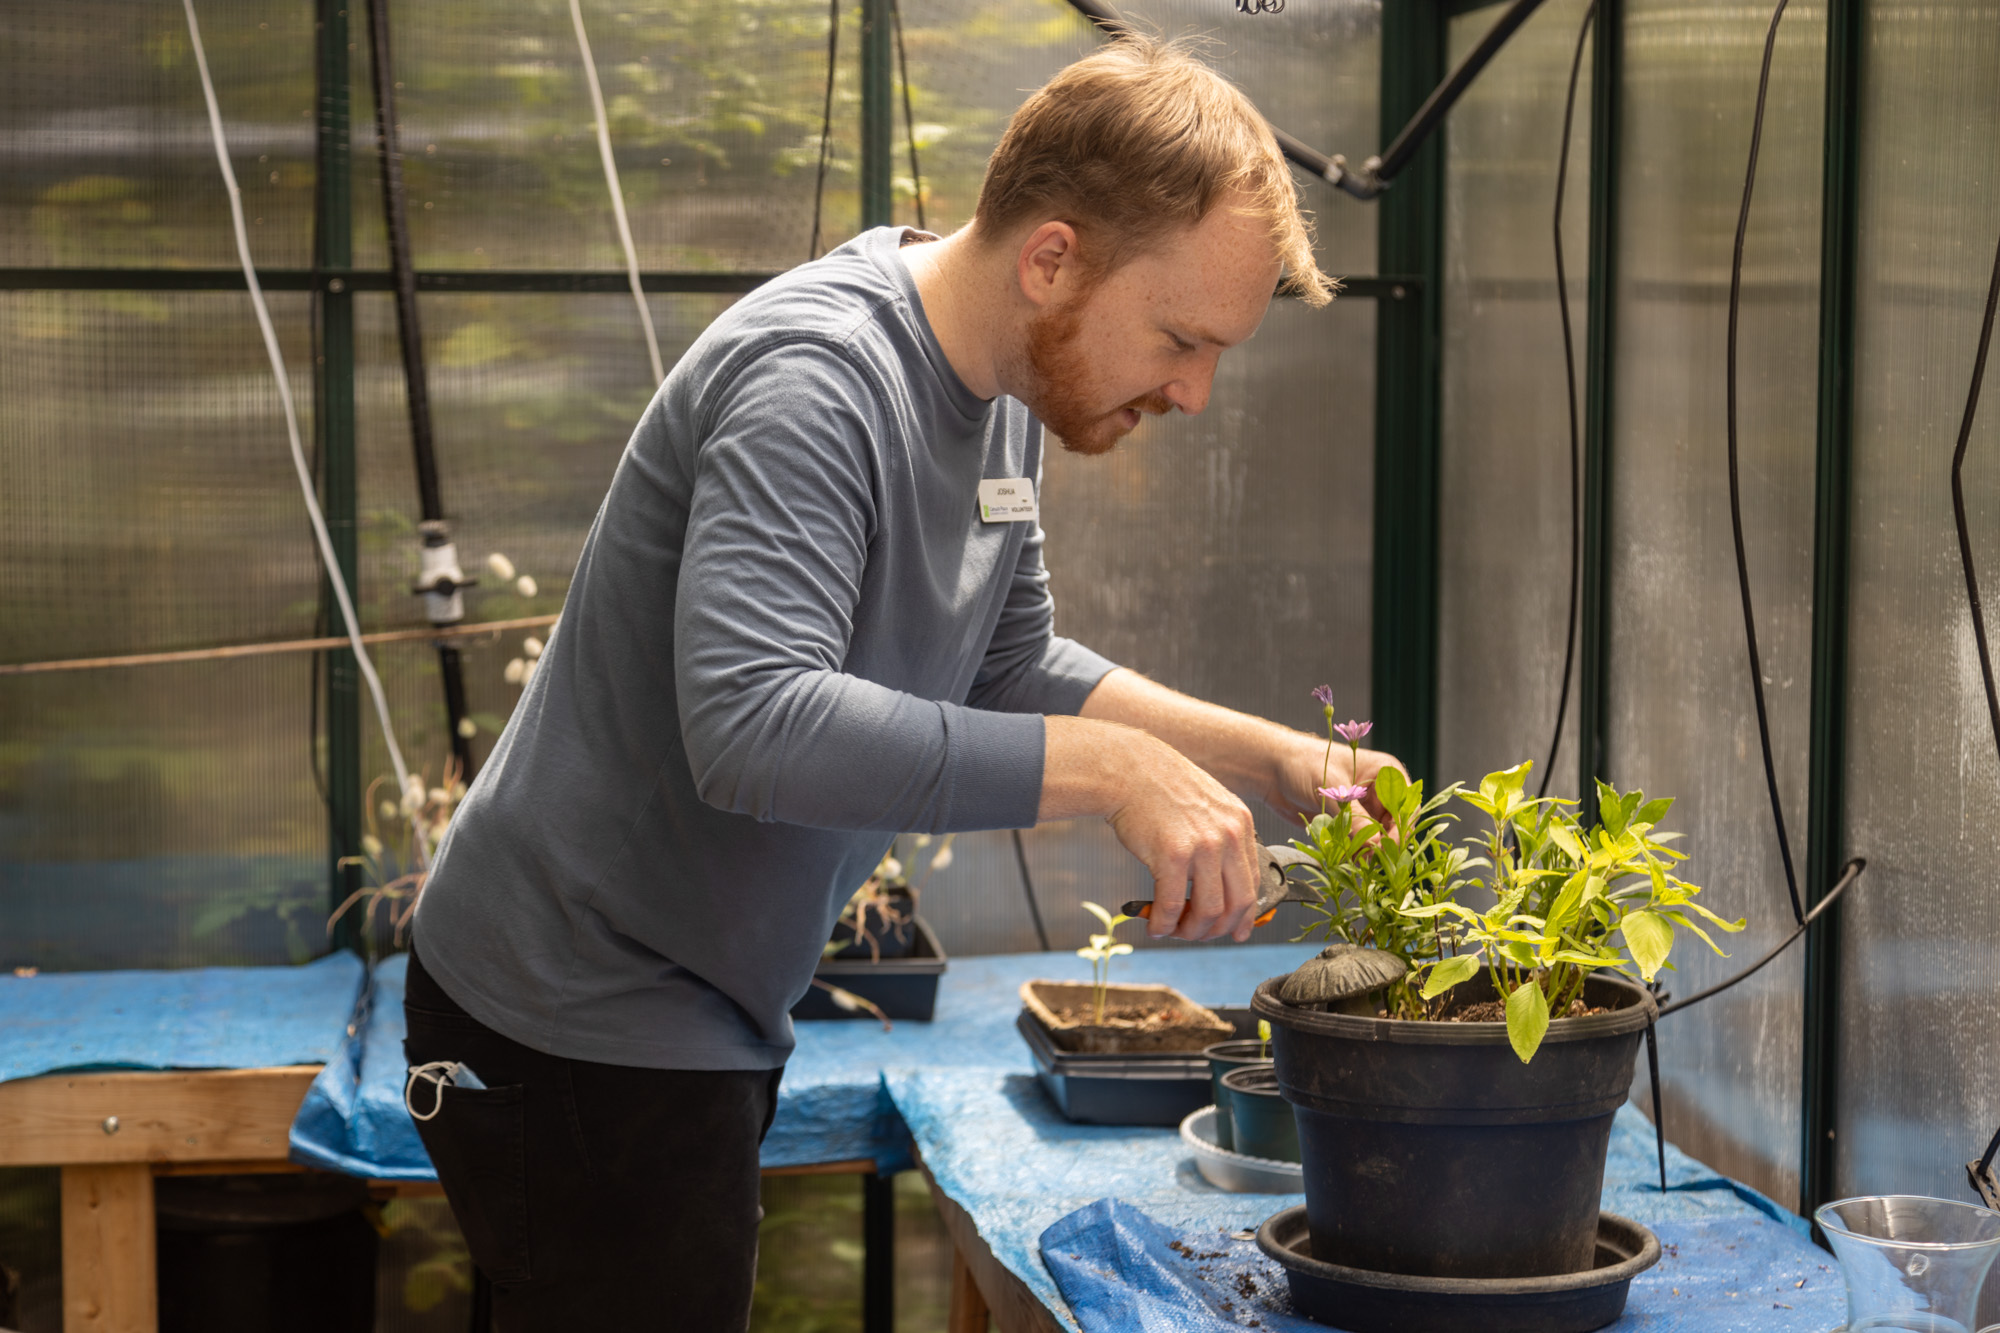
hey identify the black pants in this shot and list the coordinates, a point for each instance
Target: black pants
(594, 1196)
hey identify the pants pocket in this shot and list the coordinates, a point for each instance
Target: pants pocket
(478, 1142)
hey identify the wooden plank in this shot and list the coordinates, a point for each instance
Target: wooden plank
(1013, 1307)
(219, 1115)
(858, 1166)
(968, 1307)
(108, 1259)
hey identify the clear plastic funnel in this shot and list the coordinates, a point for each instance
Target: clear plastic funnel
(1912, 1264)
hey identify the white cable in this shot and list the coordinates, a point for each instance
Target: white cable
(271, 348)
(617, 194)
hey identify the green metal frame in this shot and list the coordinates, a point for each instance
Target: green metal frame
(1594, 615)
(878, 114)
(1833, 510)
(333, 429)
(1403, 647)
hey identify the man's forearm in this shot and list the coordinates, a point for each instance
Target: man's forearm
(1240, 750)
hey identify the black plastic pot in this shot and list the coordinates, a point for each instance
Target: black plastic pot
(904, 987)
(292, 1252)
(1223, 1057)
(1364, 1302)
(1429, 1149)
(1262, 1120)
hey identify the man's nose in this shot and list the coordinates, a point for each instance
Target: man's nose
(1190, 392)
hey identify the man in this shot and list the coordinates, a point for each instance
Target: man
(792, 634)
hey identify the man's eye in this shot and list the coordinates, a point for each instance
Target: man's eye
(1181, 344)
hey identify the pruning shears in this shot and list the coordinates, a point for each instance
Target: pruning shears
(1272, 886)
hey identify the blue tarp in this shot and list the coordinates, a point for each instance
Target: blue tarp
(1121, 1273)
(997, 1147)
(831, 1105)
(200, 1018)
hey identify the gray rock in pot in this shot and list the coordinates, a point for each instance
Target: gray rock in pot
(1341, 975)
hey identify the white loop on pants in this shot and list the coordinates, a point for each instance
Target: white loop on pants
(437, 1073)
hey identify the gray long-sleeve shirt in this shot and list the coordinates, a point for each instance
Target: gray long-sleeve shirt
(789, 636)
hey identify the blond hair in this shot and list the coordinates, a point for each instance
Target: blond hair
(1135, 141)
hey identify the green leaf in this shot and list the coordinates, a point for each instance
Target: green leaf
(1650, 937)
(1565, 837)
(1653, 811)
(1448, 973)
(1099, 913)
(1527, 1019)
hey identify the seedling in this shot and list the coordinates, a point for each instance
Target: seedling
(1101, 950)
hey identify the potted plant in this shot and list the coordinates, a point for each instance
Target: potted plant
(1454, 1069)
(1101, 1019)
(882, 960)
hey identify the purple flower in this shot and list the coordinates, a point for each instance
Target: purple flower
(1343, 795)
(1353, 732)
(1324, 694)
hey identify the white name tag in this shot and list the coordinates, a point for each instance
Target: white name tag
(1007, 500)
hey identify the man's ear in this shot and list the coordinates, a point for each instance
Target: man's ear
(1047, 262)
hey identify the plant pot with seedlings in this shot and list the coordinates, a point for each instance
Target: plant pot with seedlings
(1100, 1018)
(1454, 1069)
(882, 960)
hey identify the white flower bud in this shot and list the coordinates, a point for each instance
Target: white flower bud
(502, 567)
(891, 867)
(516, 672)
(531, 647)
(467, 728)
(413, 795)
(942, 859)
(921, 839)
(528, 673)
(440, 796)
(526, 585)
(371, 844)
(387, 809)
(844, 999)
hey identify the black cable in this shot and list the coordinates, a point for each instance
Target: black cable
(1569, 379)
(1980, 1173)
(1848, 875)
(826, 119)
(1028, 887)
(909, 115)
(416, 385)
(1659, 1115)
(1735, 490)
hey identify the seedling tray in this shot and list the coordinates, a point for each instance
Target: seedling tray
(1162, 1088)
(901, 987)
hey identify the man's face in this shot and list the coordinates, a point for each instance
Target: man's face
(1145, 337)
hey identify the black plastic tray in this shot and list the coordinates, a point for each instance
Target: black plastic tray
(1366, 1302)
(1158, 1089)
(901, 987)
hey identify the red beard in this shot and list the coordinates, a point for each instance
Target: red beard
(1060, 395)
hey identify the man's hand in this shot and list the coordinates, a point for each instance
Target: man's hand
(1196, 839)
(1302, 766)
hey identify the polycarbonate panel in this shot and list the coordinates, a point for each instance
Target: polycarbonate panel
(159, 815)
(105, 154)
(1681, 719)
(1505, 510)
(1919, 1048)
(1313, 69)
(715, 121)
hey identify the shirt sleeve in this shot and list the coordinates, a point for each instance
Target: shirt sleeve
(1027, 668)
(782, 513)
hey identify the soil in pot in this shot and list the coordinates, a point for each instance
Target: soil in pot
(1261, 1119)
(1136, 1018)
(1429, 1149)
(885, 934)
(1223, 1057)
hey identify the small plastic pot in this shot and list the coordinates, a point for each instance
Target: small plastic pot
(1261, 1120)
(1223, 1057)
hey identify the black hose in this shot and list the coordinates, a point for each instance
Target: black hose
(1569, 380)
(1028, 887)
(1981, 1172)
(1735, 489)
(1848, 875)
(1432, 113)
(825, 120)
(409, 334)
(909, 114)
